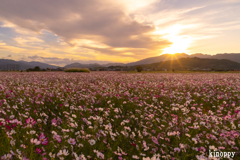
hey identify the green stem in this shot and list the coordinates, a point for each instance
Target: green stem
(31, 155)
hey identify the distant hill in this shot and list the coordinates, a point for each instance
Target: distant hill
(23, 65)
(230, 56)
(79, 65)
(7, 64)
(160, 58)
(93, 65)
(40, 64)
(113, 64)
(195, 63)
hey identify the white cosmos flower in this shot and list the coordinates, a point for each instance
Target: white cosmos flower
(135, 157)
(81, 157)
(60, 153)
(12, 132)
(51, 155)
(39, 120)
(12, 142)
(101, 121)
(19, 152)
(92, 141)
(8, 156)
(35, 141)
(65, 152)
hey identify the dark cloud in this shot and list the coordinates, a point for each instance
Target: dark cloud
(78, 19)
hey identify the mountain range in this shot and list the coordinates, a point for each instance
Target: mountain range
(92, 65)
(160, 58)
(164, 57)
(194, 64)
(7, 64)
(22, 65)
(40, 64)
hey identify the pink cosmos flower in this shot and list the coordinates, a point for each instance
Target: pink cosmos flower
(35, 141)
(30, 121)
(155, 140)
(42, 138)
(23, 146)
(71, 141)
(202, 149)
(177, 149)
(54, 121)
(57, 138)
(100, 155)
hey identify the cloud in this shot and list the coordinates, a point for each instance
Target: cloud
(4, 46)
(120, 30)
(21, 40)
(100, 21)
(7, 57)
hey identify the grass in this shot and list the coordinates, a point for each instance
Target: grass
(77, 70)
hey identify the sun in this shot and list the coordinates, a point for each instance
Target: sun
(180, 44)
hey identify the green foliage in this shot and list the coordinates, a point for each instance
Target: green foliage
(36, 68)
(139, 68)
(77, 70)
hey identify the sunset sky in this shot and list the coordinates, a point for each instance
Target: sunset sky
(61, 32)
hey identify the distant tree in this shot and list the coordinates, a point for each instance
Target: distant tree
(173, 70)
(37, 68)
(139, 68)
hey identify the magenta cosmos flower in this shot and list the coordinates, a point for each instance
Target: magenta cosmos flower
(38, 150)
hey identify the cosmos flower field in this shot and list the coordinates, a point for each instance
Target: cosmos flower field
(112, 115)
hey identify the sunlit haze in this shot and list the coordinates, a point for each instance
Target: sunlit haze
(63, 32)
